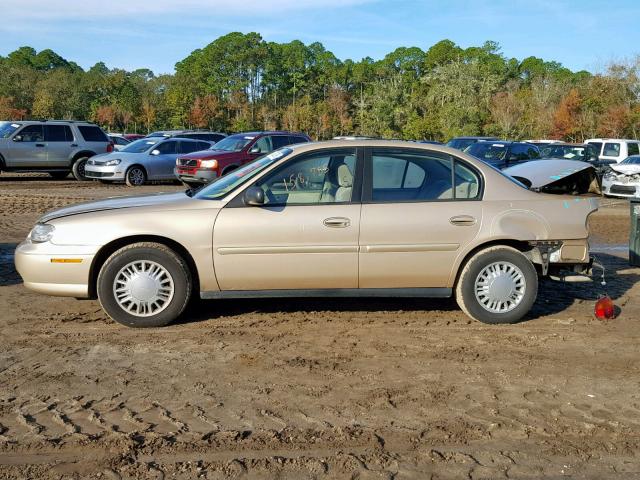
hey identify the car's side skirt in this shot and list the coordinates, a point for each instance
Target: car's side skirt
(333, 292)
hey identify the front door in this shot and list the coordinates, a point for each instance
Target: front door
(30, 150)
(420, 209)
(306, 234)
(163, 160)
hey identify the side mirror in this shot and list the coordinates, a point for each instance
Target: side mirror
(155, 152)
(255, 150)
(254, 196)
(17, 138)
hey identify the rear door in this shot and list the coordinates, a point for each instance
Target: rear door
(420, 209)
(28, 148)
(59, 140)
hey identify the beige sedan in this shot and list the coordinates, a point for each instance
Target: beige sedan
(339, 218)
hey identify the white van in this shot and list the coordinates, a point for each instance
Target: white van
(616, 149)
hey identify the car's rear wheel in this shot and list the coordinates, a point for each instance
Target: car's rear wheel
(135, 176)
(145, 284)
(78, 169)
(497, 285)
(58, 175)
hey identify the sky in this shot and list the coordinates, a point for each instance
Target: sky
(156, 34)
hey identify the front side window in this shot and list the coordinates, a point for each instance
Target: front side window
(279, 141)
(412, 176)
(611, 150)
(597, 146)
(32, 133)
(317, 178)
(167, 148)
(633, 149)
(262, 145)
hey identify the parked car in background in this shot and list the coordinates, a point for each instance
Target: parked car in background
(338, 218)
(119, 142)
(576, 151)
(192, 134)
(152, 158)
(616, 149)
(460, 143)
(623, 179)
(132, 136)
(503, 154)
(542, 142)
(232, 152)
(57, 147)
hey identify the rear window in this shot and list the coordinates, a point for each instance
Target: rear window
(633, 149)
(92, 134)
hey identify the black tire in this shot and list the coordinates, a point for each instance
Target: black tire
(135, 176)
(78, 169)
(149, 252)
(466, 292)
(58, 175)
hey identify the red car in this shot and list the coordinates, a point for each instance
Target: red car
(230, 153)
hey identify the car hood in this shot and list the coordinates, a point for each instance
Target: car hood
(116, 203)
(626, 169)
(208, 154)
(557, 176)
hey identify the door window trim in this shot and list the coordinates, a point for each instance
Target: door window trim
(356, 193)
(367, 177)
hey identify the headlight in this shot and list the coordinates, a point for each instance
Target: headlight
(42, 232)
(111, 163)
(609, 175)
(209, 164)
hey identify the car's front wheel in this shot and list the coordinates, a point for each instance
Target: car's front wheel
(135, 176)
(78, 169)
(145, 284)
(497, 285)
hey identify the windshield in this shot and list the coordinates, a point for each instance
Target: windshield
(230, 181)
(633, 160)
(568, 152)
(7, 128)
(142, 145)
(233, 143)
(487, 151)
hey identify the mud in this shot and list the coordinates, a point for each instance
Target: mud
(367, 389)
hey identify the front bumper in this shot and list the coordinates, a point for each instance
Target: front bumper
(55, 269)
(104, 173)
(195, 175)
(616, 188)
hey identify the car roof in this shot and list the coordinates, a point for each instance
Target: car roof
(271, 132)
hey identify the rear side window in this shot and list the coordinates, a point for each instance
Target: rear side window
(263, 144)
(401, 175)
(188, 147)
(203, 146)
(92, 133)
(611, 150)
(633, 149)
(293, 139)
(214, 137)
(58, 133)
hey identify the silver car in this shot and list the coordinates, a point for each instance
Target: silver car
(152, 158)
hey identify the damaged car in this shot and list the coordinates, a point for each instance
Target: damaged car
(623, 179)
(343, 218)
(561, 177)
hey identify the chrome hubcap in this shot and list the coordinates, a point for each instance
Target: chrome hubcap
(143, 288)
(500, 287)
(136, 176)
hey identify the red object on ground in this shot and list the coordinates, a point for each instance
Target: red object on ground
(605, 310)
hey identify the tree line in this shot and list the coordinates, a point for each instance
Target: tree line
(240, 82)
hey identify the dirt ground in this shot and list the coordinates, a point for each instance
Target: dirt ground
(363, 389)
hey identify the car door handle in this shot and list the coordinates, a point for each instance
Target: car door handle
(74, 144)
(39, 144)
(463, 220)
(336, 222)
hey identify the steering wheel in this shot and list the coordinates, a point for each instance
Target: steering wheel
(300, 182)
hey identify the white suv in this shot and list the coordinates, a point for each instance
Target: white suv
(616, 149)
